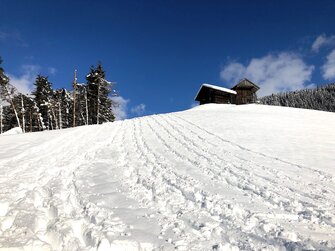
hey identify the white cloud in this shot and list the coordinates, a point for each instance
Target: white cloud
(321, 41)
(24, 83)
(120, 107)
(138, 110)
(233, 71)
(52, 70)
(273, 72)
(328, 69)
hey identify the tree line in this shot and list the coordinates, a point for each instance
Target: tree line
(48, 109)
(320, 98)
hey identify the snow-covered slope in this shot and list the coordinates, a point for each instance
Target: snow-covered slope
(216, 177)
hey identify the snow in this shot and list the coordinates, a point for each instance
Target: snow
(215, 177)
(215, 87)
(15, 130)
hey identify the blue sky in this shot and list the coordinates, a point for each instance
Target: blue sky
(159, 52)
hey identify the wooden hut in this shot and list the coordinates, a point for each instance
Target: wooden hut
(215, 94)
(246, 92)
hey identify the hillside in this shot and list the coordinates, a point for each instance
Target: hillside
(216, 177)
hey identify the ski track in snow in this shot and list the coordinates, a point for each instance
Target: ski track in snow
(159, 182)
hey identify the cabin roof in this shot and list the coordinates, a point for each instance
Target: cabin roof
(214, 87)
(246, 83)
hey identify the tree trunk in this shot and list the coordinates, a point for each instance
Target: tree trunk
(60, 116)
(98, 104)
(86, 106)
(12, 104)
(31, 120)
(53, 115)
(74, 97)
(23, 118)
(1, 119)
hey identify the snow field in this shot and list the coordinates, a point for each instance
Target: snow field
(216, 177)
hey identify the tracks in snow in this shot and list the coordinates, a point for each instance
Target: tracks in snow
(46, 211)
(160, 182)
(291, 203)
(255, 169)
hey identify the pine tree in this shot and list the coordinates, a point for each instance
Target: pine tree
(43, 97)
(28, 113)
(64, 107)
(320, 98)
(82, 105)
(98, 90)
(32, 115)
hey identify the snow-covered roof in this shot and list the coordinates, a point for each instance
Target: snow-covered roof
(215, 87)
(245, 83)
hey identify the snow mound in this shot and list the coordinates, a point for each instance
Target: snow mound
(13, 131)
(216, 177)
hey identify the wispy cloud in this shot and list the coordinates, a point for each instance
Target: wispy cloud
(138, 110)
(52, 70)
(328, 69)
(273, 72)
(25, 81)
(322, 41)
(120, 107)
(3, 35)
(12, 36)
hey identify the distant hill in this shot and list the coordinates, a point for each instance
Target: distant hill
(321, 98)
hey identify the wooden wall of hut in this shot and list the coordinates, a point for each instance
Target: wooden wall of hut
(215, 96)
(245, 96)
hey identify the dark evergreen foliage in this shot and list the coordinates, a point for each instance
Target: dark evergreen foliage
(28, 113)
(98, 90)
(63, 103)
(49, 109)
(321, 98)
(82, 106)
(43, 95)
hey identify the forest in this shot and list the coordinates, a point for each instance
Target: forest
(48, 109)
(321, 98)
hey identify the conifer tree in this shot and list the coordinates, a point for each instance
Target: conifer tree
(28, 113)
(320, 98)
(82, 104)
(63, 106)
(98, 90)
(43, 97)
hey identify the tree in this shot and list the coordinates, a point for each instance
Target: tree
(43, 97)
(7, 92)
(28, 113)
(98, 90)
(64, 107)
(82, 105)
(1, 115)
(321, 98)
